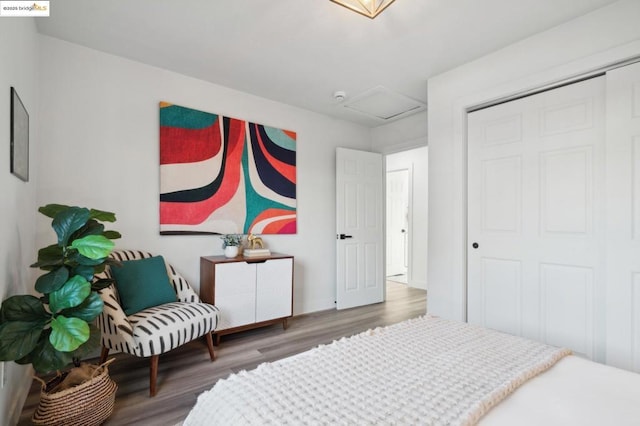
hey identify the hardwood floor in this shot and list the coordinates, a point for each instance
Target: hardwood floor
(187, 371)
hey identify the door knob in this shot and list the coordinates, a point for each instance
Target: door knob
(343, 236)
(475, 245)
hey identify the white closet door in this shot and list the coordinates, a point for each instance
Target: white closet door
(623, 217)
(535, 212)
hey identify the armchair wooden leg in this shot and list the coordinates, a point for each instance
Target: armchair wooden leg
(210, 346)
(153, 374)
(104, 354)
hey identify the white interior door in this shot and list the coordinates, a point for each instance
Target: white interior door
(623, 217)
(536, 217)
(359, 190)
(397, 221)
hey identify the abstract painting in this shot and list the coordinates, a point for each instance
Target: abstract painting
(223, 175)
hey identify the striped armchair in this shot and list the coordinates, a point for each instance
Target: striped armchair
(154, 331)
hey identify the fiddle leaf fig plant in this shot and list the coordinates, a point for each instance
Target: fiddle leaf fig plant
(56, 328)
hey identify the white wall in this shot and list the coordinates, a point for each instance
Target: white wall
(401, 135)
(594, 40)
(100, 117)
(19, 69)
(416, 161)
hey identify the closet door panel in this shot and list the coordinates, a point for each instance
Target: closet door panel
(536, 217)
(623, 217)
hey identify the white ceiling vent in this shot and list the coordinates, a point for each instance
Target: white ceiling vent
(383, 104)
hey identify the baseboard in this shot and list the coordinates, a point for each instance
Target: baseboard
(418, 284)
(320, 305)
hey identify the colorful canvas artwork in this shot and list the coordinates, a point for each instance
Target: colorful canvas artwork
(224, 175)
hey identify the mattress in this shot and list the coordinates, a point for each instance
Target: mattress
(575, 391)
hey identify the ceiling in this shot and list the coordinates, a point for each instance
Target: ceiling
(300, 52)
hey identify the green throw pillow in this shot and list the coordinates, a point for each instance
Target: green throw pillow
(143, 283)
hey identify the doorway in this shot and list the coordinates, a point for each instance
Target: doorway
(397, 225)
(406, 205)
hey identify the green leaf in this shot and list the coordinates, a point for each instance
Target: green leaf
(74, 258)
(25, 359)
(98, 269)
(93, 246)
(85, 271)
(87, 348)
(103, 216)
(69, 221)
(67, 334)
(88, 310)
(92, 227)
(51, 210)
(18, 338)
(45, 357)
(49, 256)
(70, 295)
(53, 280)
(101, 283)
(23, 308)
(112, 235)
(29, 357)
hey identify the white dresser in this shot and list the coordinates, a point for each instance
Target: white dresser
(250, 292)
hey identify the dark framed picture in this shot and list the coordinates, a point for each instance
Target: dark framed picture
(19, 137)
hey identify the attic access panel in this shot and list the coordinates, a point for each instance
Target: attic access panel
(383, 104)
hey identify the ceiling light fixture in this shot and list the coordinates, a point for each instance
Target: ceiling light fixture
(368, 8)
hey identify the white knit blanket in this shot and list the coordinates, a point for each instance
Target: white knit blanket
(426, 371)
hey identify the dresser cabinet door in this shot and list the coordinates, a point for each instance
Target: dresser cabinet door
(235, 294)
(274, 289)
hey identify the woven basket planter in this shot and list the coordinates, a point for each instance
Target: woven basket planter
(87, 404)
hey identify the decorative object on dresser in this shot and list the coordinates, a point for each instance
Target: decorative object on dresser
(53, 330)
(147, 323)
(255, 242)
(255, 247)
(231, 244)
(261, 252)
(250, 293)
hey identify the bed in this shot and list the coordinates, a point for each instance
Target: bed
(427, 371)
